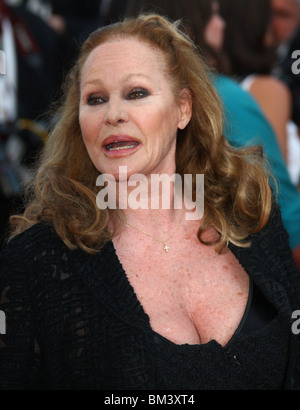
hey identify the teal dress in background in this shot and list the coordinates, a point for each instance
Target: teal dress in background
(245, 124)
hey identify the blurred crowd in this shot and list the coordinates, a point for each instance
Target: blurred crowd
(248, 43)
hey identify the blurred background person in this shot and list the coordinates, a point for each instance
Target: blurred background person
(71, 20)
(202, 21)
(286, 19)
(250, 45)
(245, 123)
(27, 89)
(31, 54)
(286, 29)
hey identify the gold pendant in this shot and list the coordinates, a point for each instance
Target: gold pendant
(166, 247)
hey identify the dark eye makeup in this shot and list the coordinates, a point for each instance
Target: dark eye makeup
(95, 100)
(134, 94)
(137, 93)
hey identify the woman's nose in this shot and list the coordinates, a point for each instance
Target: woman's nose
(116, 113)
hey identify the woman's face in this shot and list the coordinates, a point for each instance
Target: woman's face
(214, 30)
(286, 18)
(128, 113)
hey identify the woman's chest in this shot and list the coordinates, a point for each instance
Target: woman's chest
(189, 296)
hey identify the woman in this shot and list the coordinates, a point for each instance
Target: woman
(147, 298)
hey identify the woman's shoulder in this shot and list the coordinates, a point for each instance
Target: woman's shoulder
(39, 247)
(274, 230)
(33, 248)
(271, 238)
(33, 238)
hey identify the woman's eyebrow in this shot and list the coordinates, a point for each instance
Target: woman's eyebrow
(98, 81)
(133, 75)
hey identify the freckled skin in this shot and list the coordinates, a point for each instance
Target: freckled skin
(191, 294)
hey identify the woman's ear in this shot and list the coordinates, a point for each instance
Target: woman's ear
(185, 108)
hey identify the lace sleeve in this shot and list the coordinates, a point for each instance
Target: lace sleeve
(291, 282)
(19, 349)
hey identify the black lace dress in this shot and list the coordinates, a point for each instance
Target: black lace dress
(254, 358)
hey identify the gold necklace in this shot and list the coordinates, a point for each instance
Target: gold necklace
(166, 247)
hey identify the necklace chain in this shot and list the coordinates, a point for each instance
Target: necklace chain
(165, 246)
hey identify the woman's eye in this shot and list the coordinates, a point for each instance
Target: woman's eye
(94, 100)
(137, 94)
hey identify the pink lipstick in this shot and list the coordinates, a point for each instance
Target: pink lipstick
(120, 145)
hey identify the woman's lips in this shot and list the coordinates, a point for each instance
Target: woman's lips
(120, 145)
